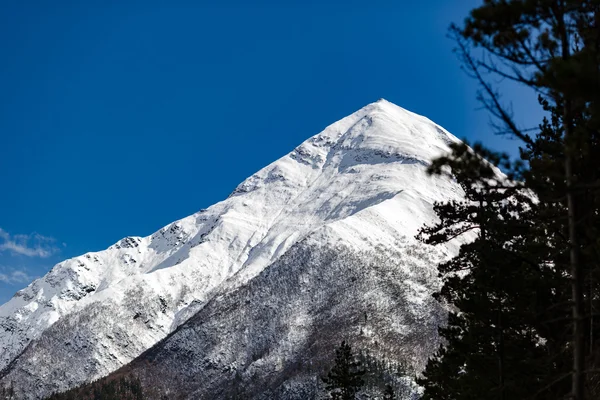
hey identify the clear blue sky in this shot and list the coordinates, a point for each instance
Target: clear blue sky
(117, 118)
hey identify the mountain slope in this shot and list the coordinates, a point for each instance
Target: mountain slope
(359, 187)
(273, 338)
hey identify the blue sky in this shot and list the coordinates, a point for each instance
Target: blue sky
(117, 118)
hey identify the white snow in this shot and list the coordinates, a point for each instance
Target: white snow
(361, 181)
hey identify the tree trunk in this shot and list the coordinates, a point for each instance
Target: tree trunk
(576, 286)
(578, 339)
(501, 355)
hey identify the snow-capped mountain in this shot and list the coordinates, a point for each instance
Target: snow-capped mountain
(258, 275)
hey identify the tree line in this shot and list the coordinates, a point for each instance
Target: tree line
(122, 388)
(349, 375)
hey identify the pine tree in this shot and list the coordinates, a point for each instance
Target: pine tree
(498, 285)
(345, 378)
(499, 347)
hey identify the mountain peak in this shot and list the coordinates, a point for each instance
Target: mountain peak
(385, 128)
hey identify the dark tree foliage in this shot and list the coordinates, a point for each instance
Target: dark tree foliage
(383, 375)
(389, 394)
(498, 286)
(524, 293)
(123, 388)
(344, 380)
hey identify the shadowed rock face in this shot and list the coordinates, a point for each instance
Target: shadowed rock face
(293, 259)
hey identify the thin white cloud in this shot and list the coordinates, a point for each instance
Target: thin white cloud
(32, 245)
(16, 276)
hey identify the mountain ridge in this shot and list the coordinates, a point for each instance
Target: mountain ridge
(358, 180)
